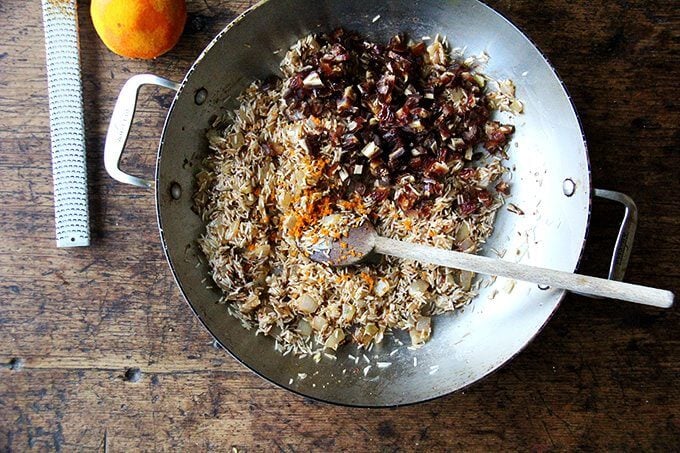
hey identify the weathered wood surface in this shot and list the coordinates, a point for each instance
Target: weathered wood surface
(73, 322)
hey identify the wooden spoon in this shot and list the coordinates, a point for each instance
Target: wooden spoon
(363, 240)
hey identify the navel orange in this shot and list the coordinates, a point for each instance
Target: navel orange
(139, 28)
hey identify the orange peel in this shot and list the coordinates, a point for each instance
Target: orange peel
(139, 28)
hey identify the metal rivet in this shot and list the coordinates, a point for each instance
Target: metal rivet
(200, 96)
(175, 191)
(543, 287)
(568, 187)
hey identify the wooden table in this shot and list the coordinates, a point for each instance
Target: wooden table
(75, 323)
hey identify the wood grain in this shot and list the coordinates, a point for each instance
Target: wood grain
(75, 323)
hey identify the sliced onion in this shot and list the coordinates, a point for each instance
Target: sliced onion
(421, 331)
(261, 250)
(348, 312)
(466, 279)
(331, 220)
(319, 323)
(418, 288)
(307, 304)
(370, 330)
(466, 244)
(416, 337)
(304, 328)
(507, 87)
(516, 106)
(251, 304)
(479, 79)
(335, 339)
(423, 324)
(284, 199)
(382, 286)
(290, 221)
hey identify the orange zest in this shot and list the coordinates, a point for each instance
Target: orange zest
(370, 281)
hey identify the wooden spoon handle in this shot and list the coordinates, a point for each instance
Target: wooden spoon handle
(593, 286)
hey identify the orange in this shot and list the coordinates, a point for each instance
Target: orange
(139, 28)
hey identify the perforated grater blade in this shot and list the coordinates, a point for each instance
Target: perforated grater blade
(67, 128)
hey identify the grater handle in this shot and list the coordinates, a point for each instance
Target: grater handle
(121, 122)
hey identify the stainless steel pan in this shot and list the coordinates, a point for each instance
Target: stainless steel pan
(550, 183)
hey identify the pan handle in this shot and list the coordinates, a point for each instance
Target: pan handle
(121, 122)
(626, 236)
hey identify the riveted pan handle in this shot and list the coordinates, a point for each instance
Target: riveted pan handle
(626, 236)
(121, 122)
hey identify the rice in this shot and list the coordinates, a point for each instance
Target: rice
(264, 185)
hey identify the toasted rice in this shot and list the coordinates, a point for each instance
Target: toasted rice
(250, 197)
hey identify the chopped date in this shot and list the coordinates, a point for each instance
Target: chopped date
(432, 189)
(503, 187)
(351, 142)
(386, 115)
(380, 193)
(313, 144)
(398, 44)
(484, 197)
(347, 100)
(406, 199)
(416, 164)
(295, 82)
(436, 169)
(444, 132)
(386, 84)
(470, 134)
(418, 49)
(396, 154)
(441, 154)
(356, 187)
(467, 174)
(419, 117)
(468, 207)
(336, 135)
